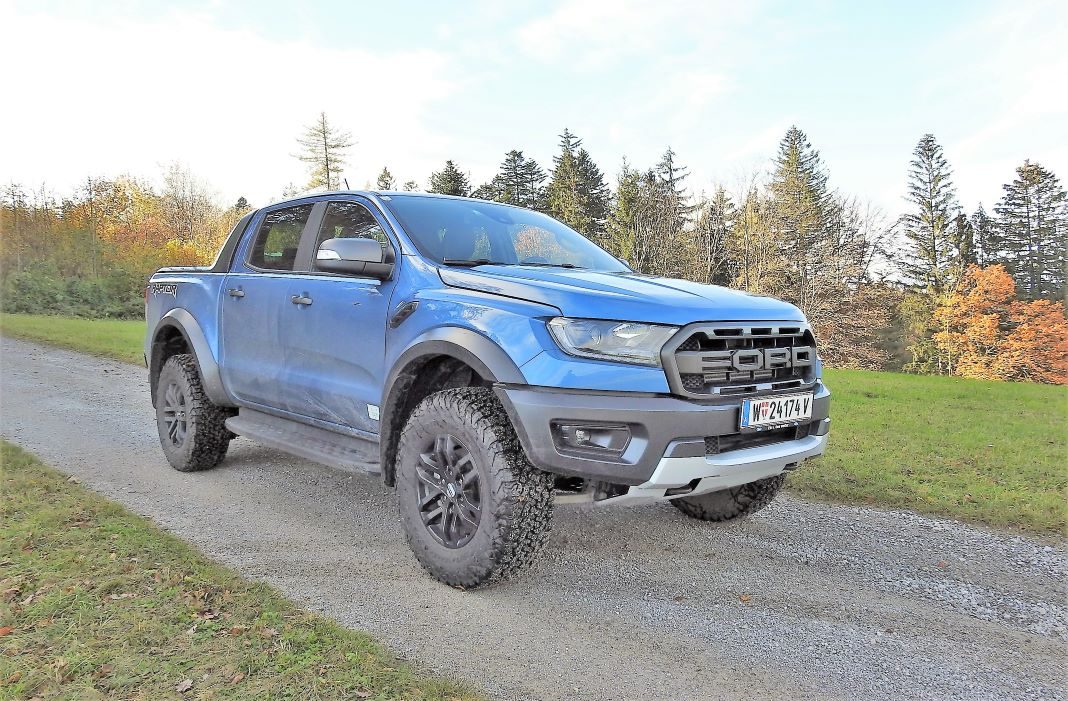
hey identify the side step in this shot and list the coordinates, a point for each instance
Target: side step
(308, 442)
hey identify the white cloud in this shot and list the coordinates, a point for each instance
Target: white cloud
(127, 95)
(1021, 75)
(594, 34)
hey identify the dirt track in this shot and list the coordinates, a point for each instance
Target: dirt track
(637, 603)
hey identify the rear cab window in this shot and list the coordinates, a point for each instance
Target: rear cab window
(278, 238)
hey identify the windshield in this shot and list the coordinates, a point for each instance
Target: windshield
(473, 232)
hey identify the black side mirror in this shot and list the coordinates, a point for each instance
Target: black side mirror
(355, 256)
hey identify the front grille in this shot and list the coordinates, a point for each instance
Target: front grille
(727, 359)
(714, 445)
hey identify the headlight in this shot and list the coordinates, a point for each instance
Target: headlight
(621, 341)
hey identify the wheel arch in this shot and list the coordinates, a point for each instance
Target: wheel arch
(179, 332)
(435, 361)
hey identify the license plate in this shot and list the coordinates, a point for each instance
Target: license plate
(775, 411)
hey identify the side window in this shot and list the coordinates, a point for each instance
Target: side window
(347, 220)
(275, 247)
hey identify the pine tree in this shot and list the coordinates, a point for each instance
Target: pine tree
(593, 191)
(927, 228)
(519, 182)
(802, 212)
(450, 181)
(983, 227)
(565, 201)
(411, 186)
(386, 180)
(962, 244)
(619, 230)
(323, 148)
(1032, 230)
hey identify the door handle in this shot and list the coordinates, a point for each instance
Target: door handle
(300, 299)
(235, 292)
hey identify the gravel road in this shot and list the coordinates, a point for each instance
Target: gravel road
(804, 601)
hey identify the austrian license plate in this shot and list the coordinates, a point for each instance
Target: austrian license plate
(776, 411)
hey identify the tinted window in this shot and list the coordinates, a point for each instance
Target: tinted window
(349, 220)
(275, 247)
(451, 230)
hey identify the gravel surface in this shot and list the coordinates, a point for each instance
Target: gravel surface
(803, 601)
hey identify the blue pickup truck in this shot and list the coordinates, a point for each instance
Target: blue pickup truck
(488, 362)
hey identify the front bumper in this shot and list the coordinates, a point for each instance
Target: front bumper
(667, 438)
(677, 477)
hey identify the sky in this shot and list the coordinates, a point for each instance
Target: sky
(225, 88)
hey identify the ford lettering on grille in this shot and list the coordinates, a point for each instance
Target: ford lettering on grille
(718, 359)
(743, 364)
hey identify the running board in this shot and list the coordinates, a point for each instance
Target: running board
(308, 442)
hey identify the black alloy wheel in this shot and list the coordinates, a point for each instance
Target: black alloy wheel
(449, 492)
(175, 414)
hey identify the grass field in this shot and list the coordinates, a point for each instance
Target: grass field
(110, 338)
(99, 603)
(988, 452)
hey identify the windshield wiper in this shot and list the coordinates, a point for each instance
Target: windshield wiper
(570, 266)
(470, 263)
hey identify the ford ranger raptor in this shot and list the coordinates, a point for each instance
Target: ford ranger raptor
(487, 361)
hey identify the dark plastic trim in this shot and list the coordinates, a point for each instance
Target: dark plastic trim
(187, 325)
(658, 424)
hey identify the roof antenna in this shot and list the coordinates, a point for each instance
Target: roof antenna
(346, 181)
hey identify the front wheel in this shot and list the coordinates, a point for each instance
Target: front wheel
(731, 504)
(474, 509)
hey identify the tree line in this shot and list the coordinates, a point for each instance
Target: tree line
(881, 291)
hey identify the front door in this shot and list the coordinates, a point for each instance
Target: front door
(337, 333)
(255, 296)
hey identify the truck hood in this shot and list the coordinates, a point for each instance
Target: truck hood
(622, 296)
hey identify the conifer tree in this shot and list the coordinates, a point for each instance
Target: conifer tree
(519, 182)
(323, 148)
(802, 211)
(450, 181)
(411, 186)
(962, 243)
(1032, 229)
(386, 180)
(928, 243)
(594, 193)
(619, 230)
(983, 228)
(565, 200)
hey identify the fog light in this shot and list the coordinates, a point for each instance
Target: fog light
(609, 438)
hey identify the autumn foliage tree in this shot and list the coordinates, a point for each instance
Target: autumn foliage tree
(986, 333)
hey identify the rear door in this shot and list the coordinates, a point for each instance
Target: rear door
(254, 300)
(337, 337)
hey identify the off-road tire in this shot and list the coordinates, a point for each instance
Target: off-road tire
(731, 504)
(205, 440)
(516, 498)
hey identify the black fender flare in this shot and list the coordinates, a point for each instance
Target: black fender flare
(187, 325)
(480, 353)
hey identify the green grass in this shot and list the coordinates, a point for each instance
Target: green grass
(110, 338)
(988, 452)
(98, 603)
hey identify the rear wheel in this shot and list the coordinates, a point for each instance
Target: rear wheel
(731, 504)
(192, 430)
(474, 509)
